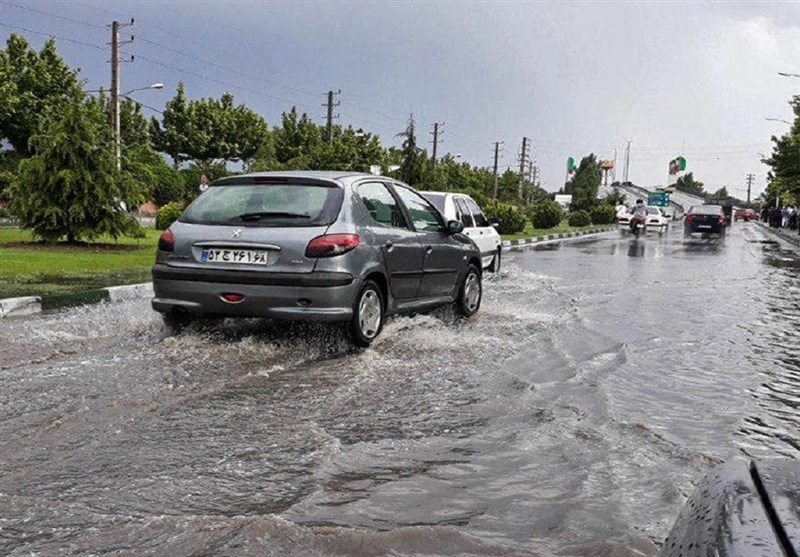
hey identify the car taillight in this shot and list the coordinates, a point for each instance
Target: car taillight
(722, 218)
(689, 218)
(166, 242)
(331, 245)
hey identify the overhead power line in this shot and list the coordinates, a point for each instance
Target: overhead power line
(52, 36)
(56, 16)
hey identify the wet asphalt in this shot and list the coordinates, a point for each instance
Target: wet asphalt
(602, 378)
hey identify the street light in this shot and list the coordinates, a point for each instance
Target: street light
(784, 74)
(153, 86)
(778, 120)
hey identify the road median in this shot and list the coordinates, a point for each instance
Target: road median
(521, 242)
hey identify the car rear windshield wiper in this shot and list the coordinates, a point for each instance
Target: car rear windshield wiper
(267, 214)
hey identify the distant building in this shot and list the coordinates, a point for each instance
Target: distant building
(563, 200)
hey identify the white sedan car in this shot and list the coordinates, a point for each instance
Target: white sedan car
(656, 221)
(461, 207)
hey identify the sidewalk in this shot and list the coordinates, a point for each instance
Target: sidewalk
(789, 236)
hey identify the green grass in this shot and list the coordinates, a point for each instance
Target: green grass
(531, 232)
(29, 268)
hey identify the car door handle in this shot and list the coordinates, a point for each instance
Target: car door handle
(389, 246)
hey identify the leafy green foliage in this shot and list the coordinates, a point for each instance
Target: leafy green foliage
(585, 183)
(70, 187)
(208, 130)
(31, 85)
(688, 184)
(168, 185)
(546, 214)
(412, 163)
(168, 214)
(579, 218)
(785, 163)
(510, 217)
(603, 214)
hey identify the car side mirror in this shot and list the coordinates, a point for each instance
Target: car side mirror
(455, 226)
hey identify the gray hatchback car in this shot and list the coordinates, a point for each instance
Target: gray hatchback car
(322, 246)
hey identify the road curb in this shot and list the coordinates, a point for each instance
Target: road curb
(551, 237)
(791, 238)
(33, 305)
(20, 307)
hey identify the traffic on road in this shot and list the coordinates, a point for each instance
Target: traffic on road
(572, 415)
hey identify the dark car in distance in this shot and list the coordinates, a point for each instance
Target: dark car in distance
(705, 219)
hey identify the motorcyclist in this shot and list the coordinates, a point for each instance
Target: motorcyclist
(638, 213)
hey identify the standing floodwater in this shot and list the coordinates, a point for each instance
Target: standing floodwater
(600, 380)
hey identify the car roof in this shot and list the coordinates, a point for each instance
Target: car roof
(318, 174)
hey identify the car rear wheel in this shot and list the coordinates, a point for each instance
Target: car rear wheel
(495, 266)
(470, 293)
(367, 319)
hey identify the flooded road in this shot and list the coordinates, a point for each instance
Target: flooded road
(600, 381)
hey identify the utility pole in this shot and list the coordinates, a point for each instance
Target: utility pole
(115, 61)
(614, 169)
(750, 178)
(497, 145)
(627, 161)
(523, 159)
(330, 104)
(436, 140)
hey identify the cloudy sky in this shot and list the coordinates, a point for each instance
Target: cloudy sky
(690, 78)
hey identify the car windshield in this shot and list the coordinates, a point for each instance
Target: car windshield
(284, 205)
(705, 210)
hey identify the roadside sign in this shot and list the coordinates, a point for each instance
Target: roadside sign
(658, 199)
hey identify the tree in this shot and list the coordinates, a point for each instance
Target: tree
(70, 186)
(31, 84)
(171, 135)
(721, 193)
(785, 162)
(688, 184)
(585, 184)
(413, 159)
(296, 140)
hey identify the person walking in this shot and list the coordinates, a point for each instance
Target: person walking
(784, 217)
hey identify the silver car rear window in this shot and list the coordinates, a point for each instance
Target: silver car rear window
(276, 205)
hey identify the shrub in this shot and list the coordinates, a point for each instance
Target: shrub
(547, 214)
(579, 218)
(168, 214)
(603, 214)
(510, 217)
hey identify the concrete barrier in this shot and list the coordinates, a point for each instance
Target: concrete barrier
(32, 305)
(18, 307)
(552, 237)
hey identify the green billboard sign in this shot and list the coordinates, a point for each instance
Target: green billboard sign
(658, 199)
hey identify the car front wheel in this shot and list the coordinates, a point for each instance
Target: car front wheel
(470, 293)
(367, 319)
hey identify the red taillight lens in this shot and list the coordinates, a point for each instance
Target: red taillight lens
(689, 218)
(722, 218)
(166, 242)
(331, 245)
(232, 298)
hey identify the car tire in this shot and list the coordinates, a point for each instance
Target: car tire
(496, 261)
(469, 299)
(367, 321)
(175, 322)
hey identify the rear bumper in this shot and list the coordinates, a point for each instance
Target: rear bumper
(713, 229)
(307, 296)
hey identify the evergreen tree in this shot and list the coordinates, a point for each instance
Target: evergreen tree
(70, 187)
(412, 163)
